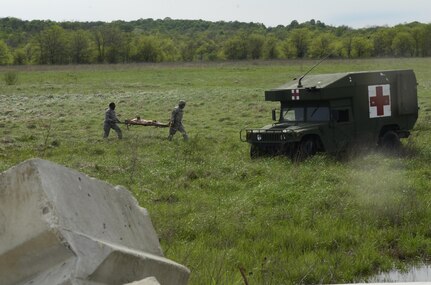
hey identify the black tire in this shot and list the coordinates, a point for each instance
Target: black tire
(307, 148)
(390, 141)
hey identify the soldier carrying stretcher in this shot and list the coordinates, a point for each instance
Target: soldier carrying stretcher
(111, 121)
(176, 122)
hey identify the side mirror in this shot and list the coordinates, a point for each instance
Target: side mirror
(274, 115)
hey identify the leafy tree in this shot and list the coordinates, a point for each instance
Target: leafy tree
(114, 45)
(207, 50)
(300, 39)
(19, 56)
(148, 49)
(52, 43)
(5, 55)
(188, 50)
(100, 42)
(322, 45)
(32, 52)
(271, 49)
(341, 31)
(47, 42)
(17, 39)
(202, 48)
(235, 48)
(417, 33)
(127, 48)
(294, 24)
(426, 41)
(337, 48)
(361, 47)
(108, 42)
(286, 49)
(403, 44)
(347, 46)
(255, 44)
(382, 41)
(28, 54)
(170, 50)
(80, 47)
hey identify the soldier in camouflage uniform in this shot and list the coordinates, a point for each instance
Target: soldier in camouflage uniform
(176, 122)
(111, 121)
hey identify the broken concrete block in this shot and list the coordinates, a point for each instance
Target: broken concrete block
(146, 281)
(59, 226)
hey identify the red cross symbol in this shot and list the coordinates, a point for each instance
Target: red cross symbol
(295, 94)
(379, 101)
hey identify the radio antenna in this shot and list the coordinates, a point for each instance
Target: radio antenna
(299, 81)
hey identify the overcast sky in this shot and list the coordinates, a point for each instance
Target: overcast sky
(353, 13)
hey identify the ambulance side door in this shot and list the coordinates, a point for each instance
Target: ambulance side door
(342, 124)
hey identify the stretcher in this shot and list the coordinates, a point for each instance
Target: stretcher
(141, 122)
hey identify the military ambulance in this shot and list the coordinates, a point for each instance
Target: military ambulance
(332, 112)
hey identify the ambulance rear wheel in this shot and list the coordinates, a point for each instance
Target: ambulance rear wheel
(390, 141)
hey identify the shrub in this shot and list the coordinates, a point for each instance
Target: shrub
(10, 78)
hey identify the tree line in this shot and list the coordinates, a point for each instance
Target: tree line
(147, 40)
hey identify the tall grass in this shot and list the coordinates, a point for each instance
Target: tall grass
(215, 210)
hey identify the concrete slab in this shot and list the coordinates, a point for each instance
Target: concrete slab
(59, 226)
(146, 281)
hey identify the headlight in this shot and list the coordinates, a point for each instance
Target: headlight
(289, 132)
(259, 137)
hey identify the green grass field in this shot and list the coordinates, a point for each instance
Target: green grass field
(216, 210)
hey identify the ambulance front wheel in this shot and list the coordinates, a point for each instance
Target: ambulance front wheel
(307, 148)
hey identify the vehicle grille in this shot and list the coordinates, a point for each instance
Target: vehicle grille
(260, 136)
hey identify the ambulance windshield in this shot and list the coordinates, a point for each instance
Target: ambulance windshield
(295, 114)
(309, 114)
